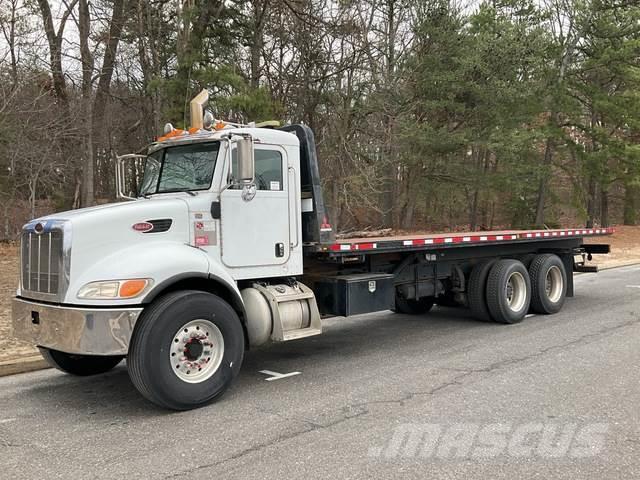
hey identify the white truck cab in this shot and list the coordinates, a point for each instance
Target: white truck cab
(88, 274)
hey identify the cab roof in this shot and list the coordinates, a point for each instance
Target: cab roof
(260, 135)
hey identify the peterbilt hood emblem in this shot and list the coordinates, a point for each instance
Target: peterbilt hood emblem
(142, 227)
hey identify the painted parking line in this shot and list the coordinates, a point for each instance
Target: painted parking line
(277, 376)
(633, 286)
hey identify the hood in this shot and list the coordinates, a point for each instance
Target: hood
(120, 207)
(101, 231)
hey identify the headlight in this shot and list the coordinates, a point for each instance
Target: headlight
(115, 289)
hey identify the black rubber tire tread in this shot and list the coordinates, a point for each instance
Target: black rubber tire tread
(79, 365)
(496, 285)
(527, 259)
(540, 265)
(476, 294)
(155, 380)
(413, 307)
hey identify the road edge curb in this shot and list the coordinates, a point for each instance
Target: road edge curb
(18, 365)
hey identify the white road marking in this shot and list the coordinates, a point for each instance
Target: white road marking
(7, 420)
(633, 286)
(277, 376)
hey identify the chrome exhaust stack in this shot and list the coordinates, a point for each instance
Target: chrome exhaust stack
(197, 109)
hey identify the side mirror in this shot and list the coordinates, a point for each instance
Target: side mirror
(124, 178)
(246, 164)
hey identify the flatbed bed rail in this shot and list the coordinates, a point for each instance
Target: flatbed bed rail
(443, 240)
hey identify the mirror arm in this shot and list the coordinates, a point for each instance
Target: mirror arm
(120, 174)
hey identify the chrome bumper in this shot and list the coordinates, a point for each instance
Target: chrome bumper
(74, 330)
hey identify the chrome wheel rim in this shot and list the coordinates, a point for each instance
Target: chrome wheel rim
(196, 352)
(516, 291)
(554, 284)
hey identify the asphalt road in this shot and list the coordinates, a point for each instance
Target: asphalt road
(380, 395)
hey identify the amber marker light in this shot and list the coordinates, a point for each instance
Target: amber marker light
(131, 288)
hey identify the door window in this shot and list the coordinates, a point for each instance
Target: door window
(268, 169)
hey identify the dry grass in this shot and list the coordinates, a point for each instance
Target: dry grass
(9, 347)
(625, 249)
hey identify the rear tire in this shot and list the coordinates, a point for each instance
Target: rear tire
(186, 350)
(412, 306)
(548, 284)
(476, 295)
(508, 291)
(80, 365)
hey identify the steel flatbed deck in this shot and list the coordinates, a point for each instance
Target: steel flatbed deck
(455, 239)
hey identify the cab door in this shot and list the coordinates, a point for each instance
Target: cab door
(255, 231)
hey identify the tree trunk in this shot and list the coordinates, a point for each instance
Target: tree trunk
(197, 18)
(631, 195)
(390, 176)
(542, 186)
(104, 82)
(604, 207)
(84, 23)
(473, 210)
(257, 39)
(10, 38)
(592, 202)
(103, 90)
(54, 39)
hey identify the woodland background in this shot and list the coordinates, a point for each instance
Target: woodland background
(430, 114)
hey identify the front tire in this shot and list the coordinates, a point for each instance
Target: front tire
(80, 365)
(508, 291)
(186, 350)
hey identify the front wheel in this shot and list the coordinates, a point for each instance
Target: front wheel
(80, 365)
(186, 350)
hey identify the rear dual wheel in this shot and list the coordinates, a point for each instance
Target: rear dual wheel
(476, 291)
(548, 284)
(504, 290)
(508, 293)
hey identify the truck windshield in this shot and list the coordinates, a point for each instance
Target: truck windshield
(180, 169)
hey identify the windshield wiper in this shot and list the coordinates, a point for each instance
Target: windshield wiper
(178, 190)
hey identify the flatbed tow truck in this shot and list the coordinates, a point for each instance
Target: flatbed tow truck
(226, 245)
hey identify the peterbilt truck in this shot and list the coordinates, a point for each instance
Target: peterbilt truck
(226, 245)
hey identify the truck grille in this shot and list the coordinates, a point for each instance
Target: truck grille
(42, 262)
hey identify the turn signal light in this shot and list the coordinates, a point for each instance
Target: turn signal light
(131, 288)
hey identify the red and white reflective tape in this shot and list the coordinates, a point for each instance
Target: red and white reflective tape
(416, 242)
